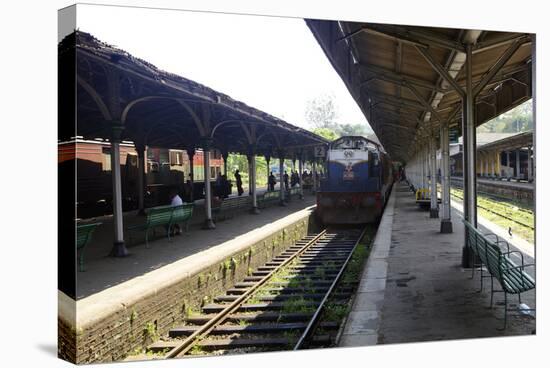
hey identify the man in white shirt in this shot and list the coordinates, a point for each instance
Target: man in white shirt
(175, 200)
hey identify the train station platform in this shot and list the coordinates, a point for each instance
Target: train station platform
(414, 288)
(103, 272)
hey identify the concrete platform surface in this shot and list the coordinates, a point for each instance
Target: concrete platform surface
(103, 272)
(414, 289)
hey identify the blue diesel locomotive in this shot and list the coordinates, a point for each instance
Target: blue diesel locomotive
(356, 184)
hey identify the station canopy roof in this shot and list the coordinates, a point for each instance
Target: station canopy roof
(409, 79)
(519, 140)
(158, 108)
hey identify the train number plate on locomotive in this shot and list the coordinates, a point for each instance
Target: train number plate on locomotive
(348, 173)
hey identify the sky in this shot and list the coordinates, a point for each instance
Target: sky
(273, 64)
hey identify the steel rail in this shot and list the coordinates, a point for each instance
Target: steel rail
(499, 214)
(219, 318)
(313, 321)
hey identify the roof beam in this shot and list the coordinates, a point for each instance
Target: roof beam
(502, 40)
(400, 81)
(404, 118)
(413, 37)
(440, 70)
(399, 77)
(423, 101)
(384, 124)
(399, 102)
(510, 51)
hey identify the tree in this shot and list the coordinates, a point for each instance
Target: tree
(326, 133)
(321, 115)
(519, 119)
(354, 129)
(321, 112)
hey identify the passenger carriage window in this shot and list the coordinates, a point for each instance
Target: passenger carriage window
(106, 158)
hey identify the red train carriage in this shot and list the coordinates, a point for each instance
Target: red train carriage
(165, 168)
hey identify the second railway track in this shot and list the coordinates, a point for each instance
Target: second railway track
(278, 307)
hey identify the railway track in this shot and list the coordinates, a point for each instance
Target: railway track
(278, 307)
(503, 210)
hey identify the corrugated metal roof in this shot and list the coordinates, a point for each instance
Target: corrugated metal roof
(390, 71)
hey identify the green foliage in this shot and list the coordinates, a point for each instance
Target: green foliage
(519, 119)
(197, 350)
(335, 312)
(326, 133)
(133, 316)
(322, 116)
(240, 162)
(353, 129)
(297, 305)
(243, 322)
(150, 331)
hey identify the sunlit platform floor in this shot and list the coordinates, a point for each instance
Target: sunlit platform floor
(103, 272)
(414, 288)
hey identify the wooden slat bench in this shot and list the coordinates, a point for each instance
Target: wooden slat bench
(83, 237)
(182, 215)
(165, 216)
(229, 206)
(511, 276)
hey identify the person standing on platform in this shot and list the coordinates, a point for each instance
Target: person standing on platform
(226, 191)
(271, 182)
(239, 182)
(285, 178)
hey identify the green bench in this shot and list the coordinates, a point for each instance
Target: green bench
(268, 197)
(229, 206)
(165, 216)
(292, 192)
(511, 276)
(83, 237)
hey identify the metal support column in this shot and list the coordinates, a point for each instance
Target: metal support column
(249, 160)
(529, 164)
(191, 156)
(446, 224)
(252, 179)
(493, 159)
(300, 169)
(209, 223)
(498, 169)
(534, 94)
(508, 166)
(141, 178)
(469, 157)
(119, 249)
(518, 173)
(434, 208)
(281, 183)
(314, 175)
(225, 156)
(267, 160)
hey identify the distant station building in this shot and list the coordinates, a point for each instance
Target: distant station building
(499, 155)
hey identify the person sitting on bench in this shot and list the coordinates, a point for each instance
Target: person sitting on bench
(175, 200)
